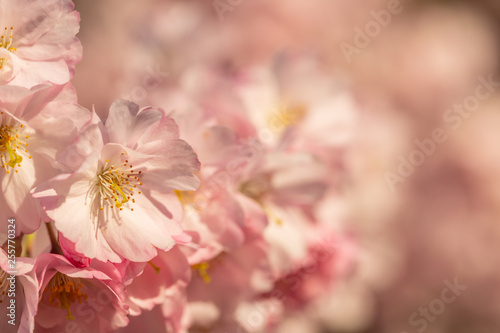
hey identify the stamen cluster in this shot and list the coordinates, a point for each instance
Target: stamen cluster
(12, 144)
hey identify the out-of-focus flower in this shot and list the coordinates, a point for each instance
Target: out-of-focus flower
(242, 274)
(91, 297)
(38, 43)
(252, 178)
(162, 281)
(124, 187)
(213, 217)
(35, 126)
(268, 164)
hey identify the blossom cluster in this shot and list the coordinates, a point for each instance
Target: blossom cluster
(220, 215)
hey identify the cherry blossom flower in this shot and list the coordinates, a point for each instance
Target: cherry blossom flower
(35, 125)
(242, 274)
(163, 281)
(213, 217)
(221, 210)
(90, 298)
(38, 43)
(241, 164)
(120, 202)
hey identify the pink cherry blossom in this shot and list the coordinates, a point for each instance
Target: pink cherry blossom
(124, 186)
(163, 281)
(38, 43)
(219, 200)
(91, 298)
(35, 126)
(242, 274)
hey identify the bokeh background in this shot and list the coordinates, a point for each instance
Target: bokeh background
(441, 223)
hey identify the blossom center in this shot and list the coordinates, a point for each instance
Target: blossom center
(257, 187)
(62, 291)
(12, 144)
(115, 187)
(6, 41)
(287, 117)
(206, 268)
(202, 269)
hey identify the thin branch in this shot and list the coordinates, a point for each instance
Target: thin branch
(53, 239)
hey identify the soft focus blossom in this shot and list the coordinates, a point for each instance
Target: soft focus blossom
(92, 297)
(38, 43)
(242, 274)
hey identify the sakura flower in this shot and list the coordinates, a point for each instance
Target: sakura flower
(275, 183)
(38, 43)
(239, 165)
(88, 298)
(120, 203)
(291, 136)
(215, 223)
(212, 215)
(160, 276)
(327, 260)
(242, 274)
(18, 288)
(35, 126)
(162, 281)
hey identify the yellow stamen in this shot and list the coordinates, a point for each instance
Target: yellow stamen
(203, 271)
(156, 268)
(286, 117)
(14, 157)
(124, 197)
(62, 291)
(11, 143)
(7, 43)
(113, 188)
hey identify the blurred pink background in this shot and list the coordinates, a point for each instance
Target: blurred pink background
(439, 223)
